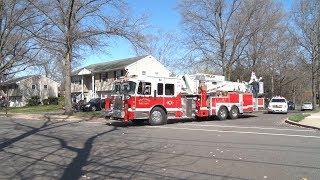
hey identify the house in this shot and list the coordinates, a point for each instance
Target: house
(19, 90)
(96, 80)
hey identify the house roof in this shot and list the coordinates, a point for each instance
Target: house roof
(110, 65)
(15, 80)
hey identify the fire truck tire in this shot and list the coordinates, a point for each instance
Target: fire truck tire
(223, 113)
(234, 112)
(157, 116)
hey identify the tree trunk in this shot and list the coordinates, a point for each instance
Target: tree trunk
(313, 87)
(68, 60)
(228, 73)
(67, 85)
(272, 86)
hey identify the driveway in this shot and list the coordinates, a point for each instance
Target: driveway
(260, 146)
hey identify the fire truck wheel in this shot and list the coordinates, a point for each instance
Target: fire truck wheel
(157, 116)
(234, 113)
(223, 113)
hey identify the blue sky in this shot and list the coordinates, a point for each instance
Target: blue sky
(162, 15)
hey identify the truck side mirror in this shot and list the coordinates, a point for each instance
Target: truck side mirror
(155, 93)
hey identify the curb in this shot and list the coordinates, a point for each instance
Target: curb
(301, 125)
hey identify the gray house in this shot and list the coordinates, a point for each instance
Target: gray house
(19, 90)
(96, 80)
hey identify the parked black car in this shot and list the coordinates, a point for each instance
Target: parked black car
(3, 103)
(78, 106)
(291, 105)
(96, 104)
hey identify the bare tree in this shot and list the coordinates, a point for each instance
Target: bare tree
(73, 26)
(17, 44)
(307, 22)
(218, 31)
(163, 46)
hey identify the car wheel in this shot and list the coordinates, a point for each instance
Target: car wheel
(157, 116)
(223, 113)
(234, 112)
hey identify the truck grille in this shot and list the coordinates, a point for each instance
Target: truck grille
(118, 103)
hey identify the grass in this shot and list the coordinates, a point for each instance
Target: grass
(34, 109)
(298, 117)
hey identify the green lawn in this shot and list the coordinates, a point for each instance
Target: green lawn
(298, 117)
(34, 109)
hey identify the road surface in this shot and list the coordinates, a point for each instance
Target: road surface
(259, 146)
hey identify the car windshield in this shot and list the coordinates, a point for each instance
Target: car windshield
(128, 87)
(308, 103)
(278, 100)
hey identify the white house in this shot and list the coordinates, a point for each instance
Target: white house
(96, 80)
(19, 90)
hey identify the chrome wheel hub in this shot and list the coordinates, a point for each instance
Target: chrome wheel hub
(156, 116)
(234, 113)
(223, 113)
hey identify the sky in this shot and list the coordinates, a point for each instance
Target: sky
(162, 15)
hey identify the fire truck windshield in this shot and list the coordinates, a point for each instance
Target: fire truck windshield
(128, 87)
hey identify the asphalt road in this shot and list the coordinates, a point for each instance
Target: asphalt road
(259, 146)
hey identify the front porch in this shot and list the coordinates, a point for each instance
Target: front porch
(87, 85)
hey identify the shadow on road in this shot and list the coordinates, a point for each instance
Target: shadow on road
(175, 121)
(74, 151)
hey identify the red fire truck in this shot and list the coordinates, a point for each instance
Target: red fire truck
(137, 98)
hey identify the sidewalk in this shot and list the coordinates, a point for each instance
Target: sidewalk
(54, 117)
(312, 121)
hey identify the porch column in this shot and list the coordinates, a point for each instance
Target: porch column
(82, 94)
(93, 83)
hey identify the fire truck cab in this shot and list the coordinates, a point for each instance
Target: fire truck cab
(137, 98)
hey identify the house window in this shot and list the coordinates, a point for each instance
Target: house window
(143, 72)
(33, 86)
(100, 78)
(160, 89)
(45, 86)
(115, 74)
(104, 76)
(122, 72)
(169, 89)
(13, 86)
(76, 79)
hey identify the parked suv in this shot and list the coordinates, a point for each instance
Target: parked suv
(278, 105)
